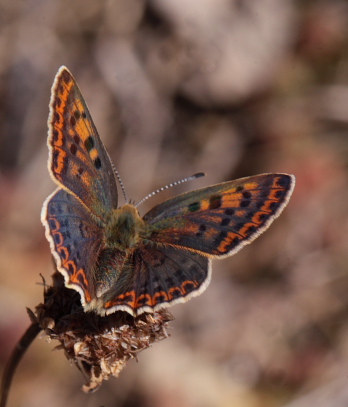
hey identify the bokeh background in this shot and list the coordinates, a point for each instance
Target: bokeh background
(229, 87)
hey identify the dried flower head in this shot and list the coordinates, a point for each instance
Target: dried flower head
(99, 346)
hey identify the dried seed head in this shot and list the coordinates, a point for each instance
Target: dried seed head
(99, 346)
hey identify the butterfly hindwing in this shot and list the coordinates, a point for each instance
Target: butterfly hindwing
(156, 277)
(75, 241)
(78, 161)
(220, 219)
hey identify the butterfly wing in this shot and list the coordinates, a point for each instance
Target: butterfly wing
(78, 161)
(154, 278)
(75, 240)
(219, 220)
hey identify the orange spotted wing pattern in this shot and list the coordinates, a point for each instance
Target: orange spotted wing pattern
(114, 258)
(219, 220)
(78, 161)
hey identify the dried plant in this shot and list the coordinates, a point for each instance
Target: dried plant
(99, 346)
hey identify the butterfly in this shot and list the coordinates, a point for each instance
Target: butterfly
(120, 261)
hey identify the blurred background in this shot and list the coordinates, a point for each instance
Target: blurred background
(229, 87)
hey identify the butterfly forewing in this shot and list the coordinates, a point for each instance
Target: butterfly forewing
(78, 160)
(220, 219)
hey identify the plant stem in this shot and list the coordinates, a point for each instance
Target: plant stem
(14, 360)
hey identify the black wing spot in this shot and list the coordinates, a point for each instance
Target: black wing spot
(273, 206)
(159, 261)
(71, 269)
(77, 114)
(251, 229)
(62, 254)
(72, 121)
(240, 225)
(143, 301)
(158, 288)
(89, 143)
(245, 203)
(229, 211)
(221, 236)
(57, 101)
(160, 298)
(240, 188)
(262, 217)
(202, 229)
(284, 181)
(55, 135)
(97, 163)
(225, 221)
(56, 117)
(194, 207)
(73, 149)
(279, 194)
(175, 293)
(215, 201)
(188, 286)
(247, 199)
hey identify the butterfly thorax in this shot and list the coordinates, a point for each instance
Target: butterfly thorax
(124, 228)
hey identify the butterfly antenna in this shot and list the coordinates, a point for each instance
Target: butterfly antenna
(120, 182)
(173, 184)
